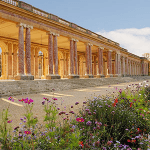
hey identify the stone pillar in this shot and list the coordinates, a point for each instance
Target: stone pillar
(88, 61)
(14, 60)
(119, 65)
(28, 53)
(100, 62)
(116, 65)
(123, 59)
(127, 67)
(50, 57)
(21, 75)
(57, 76)
(10, 66)
(73, 59)
(109, 63)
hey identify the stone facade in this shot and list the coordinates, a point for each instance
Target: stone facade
(44, 46)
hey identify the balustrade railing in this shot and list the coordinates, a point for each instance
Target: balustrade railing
(64, 22)
(55, 18)
(41, 13)
(12, 2)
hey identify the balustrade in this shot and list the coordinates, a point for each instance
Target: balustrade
(12, 2)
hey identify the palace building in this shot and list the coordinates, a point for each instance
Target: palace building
(38, 45)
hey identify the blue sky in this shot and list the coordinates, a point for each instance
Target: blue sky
(124, 21)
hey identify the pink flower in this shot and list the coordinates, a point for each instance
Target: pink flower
(28, 101)
(27, 132)
(21, 100)
(11, 99)
(9, 121)
(80, 119)
(54, 99)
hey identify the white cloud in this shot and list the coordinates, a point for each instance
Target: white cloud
(136, 41)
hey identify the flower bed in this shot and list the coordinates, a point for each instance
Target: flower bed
(120, 120)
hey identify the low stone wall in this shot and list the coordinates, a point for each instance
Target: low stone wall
(11, 88)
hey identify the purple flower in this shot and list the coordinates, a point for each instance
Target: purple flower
(58, 108)
(84, 102)
(89, 113)
(43, 102)
(120, 91)
(21, 118)
(71, 106)
(89, 123)
(76, 103)
(94, 128)
(87, 110)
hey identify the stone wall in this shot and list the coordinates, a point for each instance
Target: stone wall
(11, 88)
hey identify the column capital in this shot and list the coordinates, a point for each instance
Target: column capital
(21, 25)
(53, 33)
(73, 39)
(89, 44)
(101, 48)
(29, 26)
(110, 50)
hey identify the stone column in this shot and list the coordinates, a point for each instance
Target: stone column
(71, 57)
(28, 53)
(10, 66)
(94, 66)
(14, 60)
(116, 65)
(88, 61)
(75, 58)
(100, 62)
(21, 75)
(127, 67)
(50, 57)
(123, 59)
(109, 63)
(119, 65)
(57, 76)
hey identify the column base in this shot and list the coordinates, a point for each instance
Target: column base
(24, 77)
(73, 76)
(119, 75)
(100, 76)
(52, 76)
(88, 76)
(115, 75)
(10, 77)
(43, 77)
(109, 75)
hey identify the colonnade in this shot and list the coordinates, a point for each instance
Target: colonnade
(20, 61)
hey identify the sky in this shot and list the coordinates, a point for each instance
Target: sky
(123, 21)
